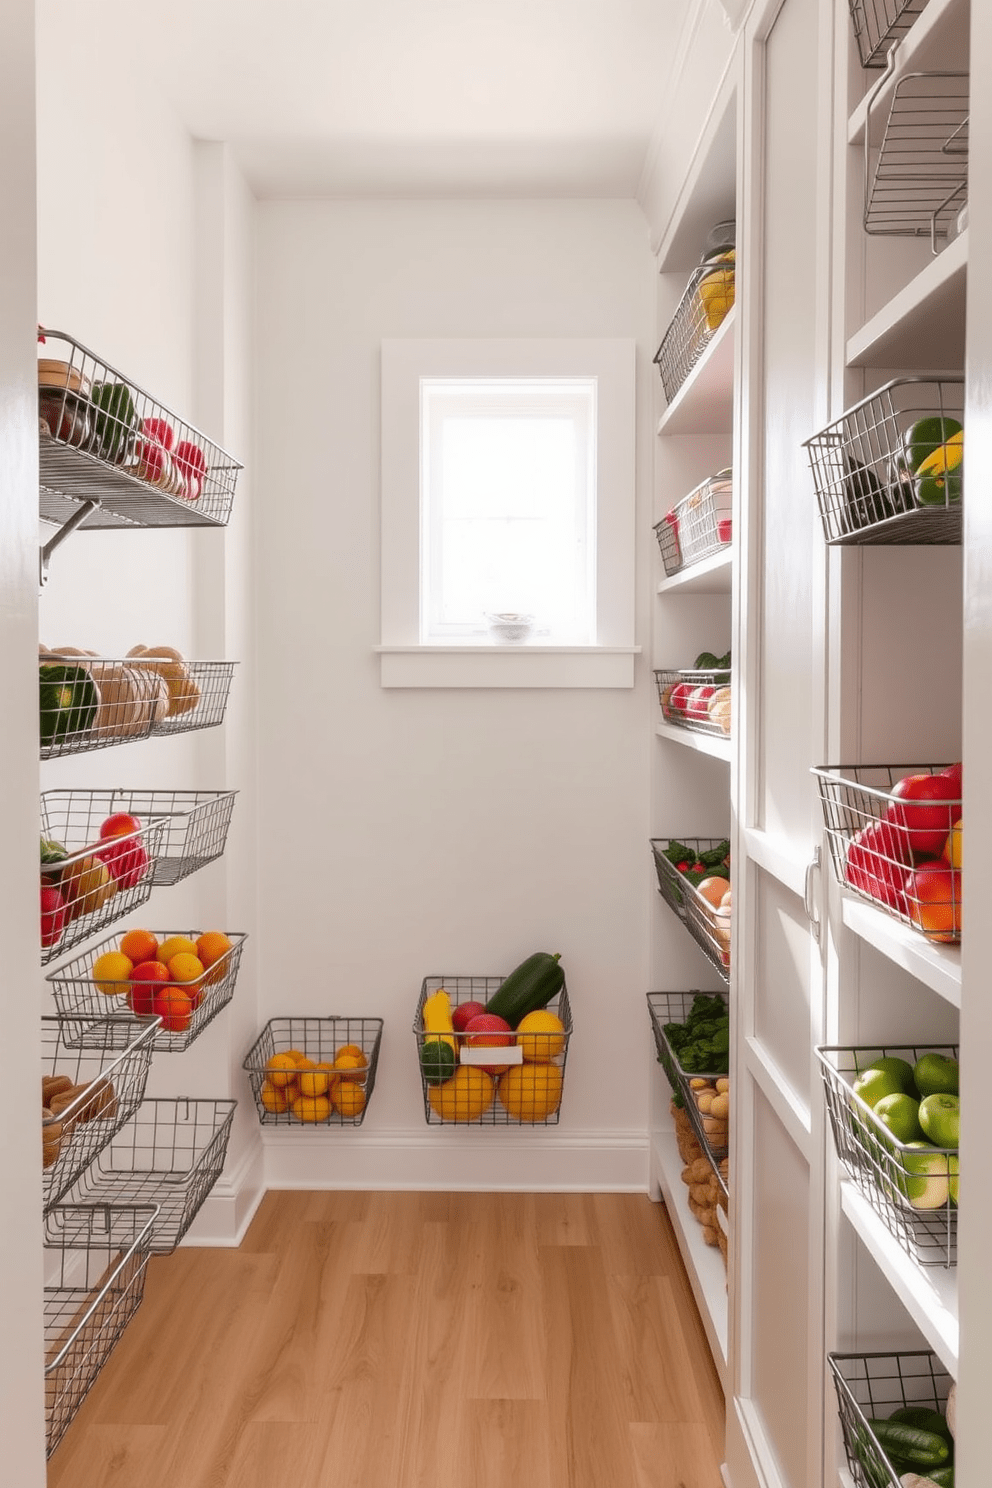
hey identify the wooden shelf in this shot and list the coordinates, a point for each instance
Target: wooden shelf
(703, 1263)
(923, 325)
(936, 966)
(704, 404)
(928, 1293)
(712, 575)
(717, 745)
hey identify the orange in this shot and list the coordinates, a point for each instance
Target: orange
(296, 1055)
(349, 1099)
(212, 948)
(174, 946)
(542, 1036)
(273, 1099)
(465, 1097)
(185, 968)
(531, 1092)
(713, 889)
(313, 1080)
(311, 1108)
(952, 847)
(139, 945)
(355, 1050)
(348, 1067)
(110, 970)
(281, 1069)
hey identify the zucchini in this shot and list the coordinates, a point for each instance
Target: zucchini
(529, 986)
(67, 701)
(911, 1444)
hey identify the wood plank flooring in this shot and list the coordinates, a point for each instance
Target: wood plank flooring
(412, 1340)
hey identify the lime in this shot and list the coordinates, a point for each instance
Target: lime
(936, 1074)
(928, 1187)
(886, 1076)
(940, 1119)
(900, 1114)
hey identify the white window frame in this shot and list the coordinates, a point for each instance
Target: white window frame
(404, 660)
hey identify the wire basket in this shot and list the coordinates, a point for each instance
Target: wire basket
(77, 995)
(879, 24)
(337, 1094)
(95, 1280)
(170, 1155)
(667, 1008)
(870, 1387)
(99, 1087)
(874, 838)
(193, 825)
(698, 525)
(672, 883)
(882, 1167)
(919, 182)
(707, 924)
(705, 304)
(696, 699)
(89, 882)
(104, 440)
(880, 471)
(512, 1083)
(126, 701)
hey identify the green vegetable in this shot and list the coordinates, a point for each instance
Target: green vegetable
(702, 1043)
(52, 851)
(706, 661)
(68, 700)
(920, 1449)
(437, 1061)
(927, 1419)
(926, 436)
(115, 420)
(942, 1476)
(530, 986)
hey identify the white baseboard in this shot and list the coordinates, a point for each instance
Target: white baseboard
(228, 1209)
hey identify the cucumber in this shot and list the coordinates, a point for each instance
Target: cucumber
(921, 1449)
(530, 986)
(942, 1476)
(927, 1418)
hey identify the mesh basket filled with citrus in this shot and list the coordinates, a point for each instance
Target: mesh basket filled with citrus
(492, 1049)
(183, 978)
(310, 1072)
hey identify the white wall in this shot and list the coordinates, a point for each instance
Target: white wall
(406, 833)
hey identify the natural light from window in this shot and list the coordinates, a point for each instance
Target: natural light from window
(508, 507)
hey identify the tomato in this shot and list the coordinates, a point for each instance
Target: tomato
(678, 702)
(923, 813)
(876, 864)
(933, 898)
(145, 980)
(160, 430)
(174, 1006)
(121, 824)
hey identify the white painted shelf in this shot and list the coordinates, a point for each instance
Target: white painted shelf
(936, 966)
(703, 1263)
(704, 404)
(928, 1293)
(712, 575)
(922, 325)
(717, 745)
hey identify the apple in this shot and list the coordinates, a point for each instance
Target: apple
(53, 915)
(924, 1181)
(160, 430)
(953, 1166)
(923, 813)
(121, 824)
(488, 1030)
(933, 899)
(940, 1119)
(936, 1074)
(126, 862)
(888, 1076)
(463, 1013)
(145, 980)
(953, 773)
(678, 701)
(900, 1115)
(877, 858)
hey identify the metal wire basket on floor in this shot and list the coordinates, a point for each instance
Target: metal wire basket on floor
(95, 1280)
(492, 1079)
(314, 1072)
(169, 1155)
(869, 1388)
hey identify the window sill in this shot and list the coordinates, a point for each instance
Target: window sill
(506, 666)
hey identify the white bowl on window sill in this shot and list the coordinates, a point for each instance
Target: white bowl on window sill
(509, 626)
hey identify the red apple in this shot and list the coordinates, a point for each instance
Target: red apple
(953, 774)
(876, 864)
(933, 898)
(126, 862)
(121, 824)
(489, 1031)
(463, 1013)
(160, 430)
(53, 915)
(145, 980)
(923, 813)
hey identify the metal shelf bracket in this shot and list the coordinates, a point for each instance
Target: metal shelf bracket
(68, 527)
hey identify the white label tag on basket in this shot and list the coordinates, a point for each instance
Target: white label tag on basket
(492, 1054)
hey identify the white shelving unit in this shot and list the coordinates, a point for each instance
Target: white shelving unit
(710, 575)
(719, 746)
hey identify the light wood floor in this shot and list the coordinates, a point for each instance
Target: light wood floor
(411, 1340)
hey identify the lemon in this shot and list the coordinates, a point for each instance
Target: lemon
(349, 1099)
(109, 970)
(541, 1035)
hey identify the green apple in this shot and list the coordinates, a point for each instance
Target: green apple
(928, 1187)
(900, 1115)
(940, 1118)
(886, 1076)
(936, 1074)
(952, 1169)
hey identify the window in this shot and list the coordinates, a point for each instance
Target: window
(507, 486)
